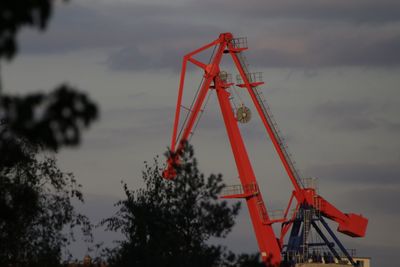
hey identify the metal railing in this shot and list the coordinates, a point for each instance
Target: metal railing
(239, 189)
(226, 77)
(310, 182)
(253, 77)
(276, 214)
(240, 42)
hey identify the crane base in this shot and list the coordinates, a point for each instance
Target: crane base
(362, 261)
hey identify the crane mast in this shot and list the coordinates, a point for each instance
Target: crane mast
(310, 206)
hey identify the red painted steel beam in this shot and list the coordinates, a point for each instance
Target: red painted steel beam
(210, 71)
(181, 86)
(351, 224)
(266, 239)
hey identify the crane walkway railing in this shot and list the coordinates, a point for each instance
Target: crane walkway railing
(239, 42)
(238, 189)
(249, 191)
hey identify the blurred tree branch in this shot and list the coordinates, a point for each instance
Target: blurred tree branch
(54, 119)
(16, 14)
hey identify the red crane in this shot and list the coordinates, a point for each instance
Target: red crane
(271, 247)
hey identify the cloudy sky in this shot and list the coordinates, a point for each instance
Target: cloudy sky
(332, 80)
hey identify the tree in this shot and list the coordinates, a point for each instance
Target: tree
(54, 119)
(169, 223)
(36, 208)
(16, 14)
(35, 196)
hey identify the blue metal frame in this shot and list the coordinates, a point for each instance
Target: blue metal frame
(337, 241)
(296, 238)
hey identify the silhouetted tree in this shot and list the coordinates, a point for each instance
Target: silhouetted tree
(55, 119)
(35, 196)
(52, 120)
(36, 208)
(15, 14)
(168, 223)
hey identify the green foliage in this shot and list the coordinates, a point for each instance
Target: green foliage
(168, 223)
(36, 209)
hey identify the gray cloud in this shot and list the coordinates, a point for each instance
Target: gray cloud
(305, 34)
(342, 109)
(359, 173)
(390, 125)
(74, 27)
(381, 255)
(134, 58)
(361, 11)
(378, 199)
(351, 116)
(331, 48)
(139, 122)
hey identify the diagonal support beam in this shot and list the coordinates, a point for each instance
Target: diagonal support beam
(337, 241)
